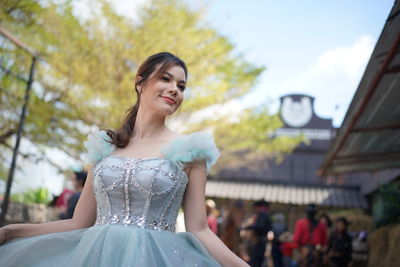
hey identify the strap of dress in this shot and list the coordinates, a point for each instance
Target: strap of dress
(98, 147)
(192, 147)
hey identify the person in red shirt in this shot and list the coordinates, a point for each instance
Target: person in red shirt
(211, 218)
(288, 247)
(310, 236)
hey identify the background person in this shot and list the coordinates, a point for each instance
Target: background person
(78, 181)
(310, 235)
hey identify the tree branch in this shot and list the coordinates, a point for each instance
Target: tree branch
(7, 135)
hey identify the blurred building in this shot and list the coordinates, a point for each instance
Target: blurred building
(294, 182)
(369, 139)
(339, 168)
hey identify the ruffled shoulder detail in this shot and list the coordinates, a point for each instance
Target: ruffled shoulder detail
(97, 146)
(192, 147)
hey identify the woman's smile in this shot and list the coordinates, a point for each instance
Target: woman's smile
(169, 100)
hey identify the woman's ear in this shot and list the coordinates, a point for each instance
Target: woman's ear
(138, 88)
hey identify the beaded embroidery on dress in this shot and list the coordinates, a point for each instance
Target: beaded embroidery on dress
(137, 202)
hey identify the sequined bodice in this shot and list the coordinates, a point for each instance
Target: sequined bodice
(143, 192)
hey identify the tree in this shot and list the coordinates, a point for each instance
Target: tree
(87, 74)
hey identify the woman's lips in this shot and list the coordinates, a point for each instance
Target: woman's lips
(169, 100)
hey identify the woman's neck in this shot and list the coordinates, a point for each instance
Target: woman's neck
(148, 125)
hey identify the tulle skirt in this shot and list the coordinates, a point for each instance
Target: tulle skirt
(107, 245)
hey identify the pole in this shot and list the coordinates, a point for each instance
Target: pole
(4, 205)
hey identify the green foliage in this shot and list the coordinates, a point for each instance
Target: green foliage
(38, 195)
(250, 135)
(22, 12)
(389, 195)
(3, 172)
(87, 73)
(252, 131)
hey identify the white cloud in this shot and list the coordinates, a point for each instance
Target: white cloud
(334, 66)
(348, 60)
(332, 79)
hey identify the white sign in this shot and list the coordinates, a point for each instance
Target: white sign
(311, 134)
(296, 113)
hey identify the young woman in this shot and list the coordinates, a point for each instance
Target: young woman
(141, 174)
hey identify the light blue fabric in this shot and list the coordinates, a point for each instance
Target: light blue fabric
(191, 147)
(185, 149)
(109, 245)
(137, 202)
(97, 146)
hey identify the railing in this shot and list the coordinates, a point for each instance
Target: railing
(8, 46)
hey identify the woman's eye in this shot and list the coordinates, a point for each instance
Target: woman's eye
(165, 79)
(182, 88)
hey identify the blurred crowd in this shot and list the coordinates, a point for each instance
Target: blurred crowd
(264, 239)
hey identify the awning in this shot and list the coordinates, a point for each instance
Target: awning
(329, 196)
(369, 138)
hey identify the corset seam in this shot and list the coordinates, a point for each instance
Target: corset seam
(150, 194)
(126, 192)
(168, 206)
(101, 190)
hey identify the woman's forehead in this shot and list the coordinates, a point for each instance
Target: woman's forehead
(176, 72)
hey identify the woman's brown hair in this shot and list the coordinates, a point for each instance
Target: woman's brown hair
(157, 63)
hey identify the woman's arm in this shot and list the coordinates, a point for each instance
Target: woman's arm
(84, 216)
(196, 219)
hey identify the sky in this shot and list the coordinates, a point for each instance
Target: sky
(319, 48)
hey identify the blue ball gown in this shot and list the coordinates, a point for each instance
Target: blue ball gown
(137, 205)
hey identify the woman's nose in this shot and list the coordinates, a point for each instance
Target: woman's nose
(173, 89)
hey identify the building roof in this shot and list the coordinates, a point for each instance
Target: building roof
(329, 196)
(369, 138)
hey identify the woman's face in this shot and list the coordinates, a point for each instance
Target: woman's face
(163, 95)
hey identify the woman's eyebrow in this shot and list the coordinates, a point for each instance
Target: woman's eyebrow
(172, 76)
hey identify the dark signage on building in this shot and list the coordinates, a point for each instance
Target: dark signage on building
(299, 167)
(298, 115)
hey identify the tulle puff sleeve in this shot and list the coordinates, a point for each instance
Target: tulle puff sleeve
(97, 146)
(192, 147)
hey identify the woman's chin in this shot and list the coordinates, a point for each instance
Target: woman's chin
(167, 112)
